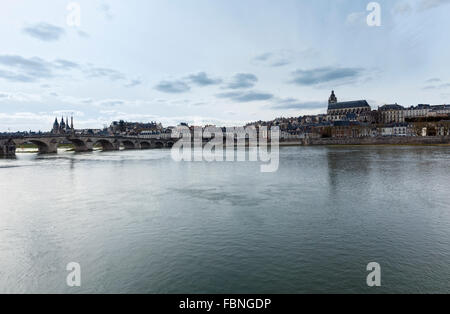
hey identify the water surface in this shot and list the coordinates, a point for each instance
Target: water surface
(136, 221)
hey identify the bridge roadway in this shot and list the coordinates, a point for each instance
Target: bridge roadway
(48, 144)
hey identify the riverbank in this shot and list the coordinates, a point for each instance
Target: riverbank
(407, 140)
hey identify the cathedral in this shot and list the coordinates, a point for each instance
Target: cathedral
(63, 127)
(340, 110)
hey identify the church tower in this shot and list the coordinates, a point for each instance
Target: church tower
(55, 129)
(332, 99)
(62, 125)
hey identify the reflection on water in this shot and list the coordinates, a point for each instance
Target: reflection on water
(137, 221)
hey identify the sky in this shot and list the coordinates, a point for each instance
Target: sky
(221, 62)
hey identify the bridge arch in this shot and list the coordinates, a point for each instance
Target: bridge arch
(169, 144)
(159, 145)
(145, 145)
(105, 144)
(44, 147)
(80, 146)
(128, 144)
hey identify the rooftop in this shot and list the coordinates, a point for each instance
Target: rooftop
(392, 107)
(349, 105)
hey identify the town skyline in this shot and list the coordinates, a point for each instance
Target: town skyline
(354, 119)
(326, 115)
(212, 63)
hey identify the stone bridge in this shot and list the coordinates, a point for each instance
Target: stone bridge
(48, 144)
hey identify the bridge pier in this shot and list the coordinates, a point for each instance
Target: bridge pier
(50, 148)
(82, 149)
(7, 148)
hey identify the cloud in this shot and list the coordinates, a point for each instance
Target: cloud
(45, 32)
(172, 87)
(202, 79)
(263, 57)
(133, 83)
(322, 75)
(430, 4)
(294, 104)
(111, 103)
(16, 68)
(282, 57)
(281, 63)
(422, 5)
(436, 86)
(75, 113)
(20, 69)
(21, 121)
(435, 83)
(65, 64)
(271, 59)
(433, 80)
(83, 34)
(182, 85)
(402, 8)
(106, 10)
(356, 18)
(106, 104)
(245, 96)
(100, 72)
(243, 80)
(19, 97)
(14, 77)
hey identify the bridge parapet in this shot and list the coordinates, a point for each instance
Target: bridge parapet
(48, 143)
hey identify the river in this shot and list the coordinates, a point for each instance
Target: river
(137, 221)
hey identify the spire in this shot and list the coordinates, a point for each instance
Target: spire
(333, 98)
(55, 128)
(62, 125)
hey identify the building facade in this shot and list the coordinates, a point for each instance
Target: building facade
(398, 114)
(345, 111)
(389, 114)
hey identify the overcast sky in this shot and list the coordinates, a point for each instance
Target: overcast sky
(224, 62)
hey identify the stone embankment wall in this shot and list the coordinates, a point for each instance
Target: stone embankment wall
(395, 140)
